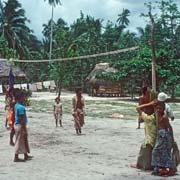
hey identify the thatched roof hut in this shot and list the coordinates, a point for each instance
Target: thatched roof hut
(5, 69)
(102, 87)
(101, 67)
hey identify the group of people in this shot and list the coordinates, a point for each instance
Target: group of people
(77, 111)
(156, 151)
(16, 119)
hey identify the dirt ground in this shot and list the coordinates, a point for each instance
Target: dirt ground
(104, 151)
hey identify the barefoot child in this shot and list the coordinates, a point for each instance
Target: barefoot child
(58, 111)
(9, 111)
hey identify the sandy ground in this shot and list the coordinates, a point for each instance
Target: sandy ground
(104, 151)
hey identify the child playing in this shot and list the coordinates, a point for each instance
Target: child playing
(9, 111)
(58, 111)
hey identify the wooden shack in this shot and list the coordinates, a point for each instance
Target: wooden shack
(102, 87)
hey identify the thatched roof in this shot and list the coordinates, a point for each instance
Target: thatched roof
(101, 67)
(5, 69)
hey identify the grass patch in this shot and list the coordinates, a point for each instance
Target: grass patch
(101, 109)
(98, 108)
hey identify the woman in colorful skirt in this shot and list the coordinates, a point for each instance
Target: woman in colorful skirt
(161, 155)
(78, 110)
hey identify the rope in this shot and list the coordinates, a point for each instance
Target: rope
(79, 57)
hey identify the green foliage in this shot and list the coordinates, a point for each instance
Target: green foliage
(6, 52)
(88, 36)
(123, 18)
(54, 2)
(85, 37)
(13, 28)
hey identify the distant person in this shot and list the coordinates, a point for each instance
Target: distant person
(21, 132)
(144, 99)
(58, 111)
(78, 110)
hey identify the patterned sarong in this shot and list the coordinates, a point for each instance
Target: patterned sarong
(161, 154)
(78, 118)
(21, 143)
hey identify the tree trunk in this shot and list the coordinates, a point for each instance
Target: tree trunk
(173, 92)
(51, 34)
(59, 88)
(153, 49)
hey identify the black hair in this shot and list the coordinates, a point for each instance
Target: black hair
(15, 90)
(57, 98)
(144, 90)
(18, 94)
(161, 104)
(78, 89)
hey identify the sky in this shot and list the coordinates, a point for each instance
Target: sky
(39, 12)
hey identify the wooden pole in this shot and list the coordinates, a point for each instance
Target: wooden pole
(153, 49)
(51, 34)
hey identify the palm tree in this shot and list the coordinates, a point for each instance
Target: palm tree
(13, 26)
(141, 31)
(123, 18)
(2, 22)
(53, 3)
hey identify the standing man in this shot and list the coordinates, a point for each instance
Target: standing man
(78, 110)
(21, 142)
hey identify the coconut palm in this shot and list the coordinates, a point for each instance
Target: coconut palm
(53, 3)
(13, 26)
(2, 22)
(123, 18)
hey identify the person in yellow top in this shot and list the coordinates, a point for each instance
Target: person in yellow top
(145, 154)
(144, 99)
